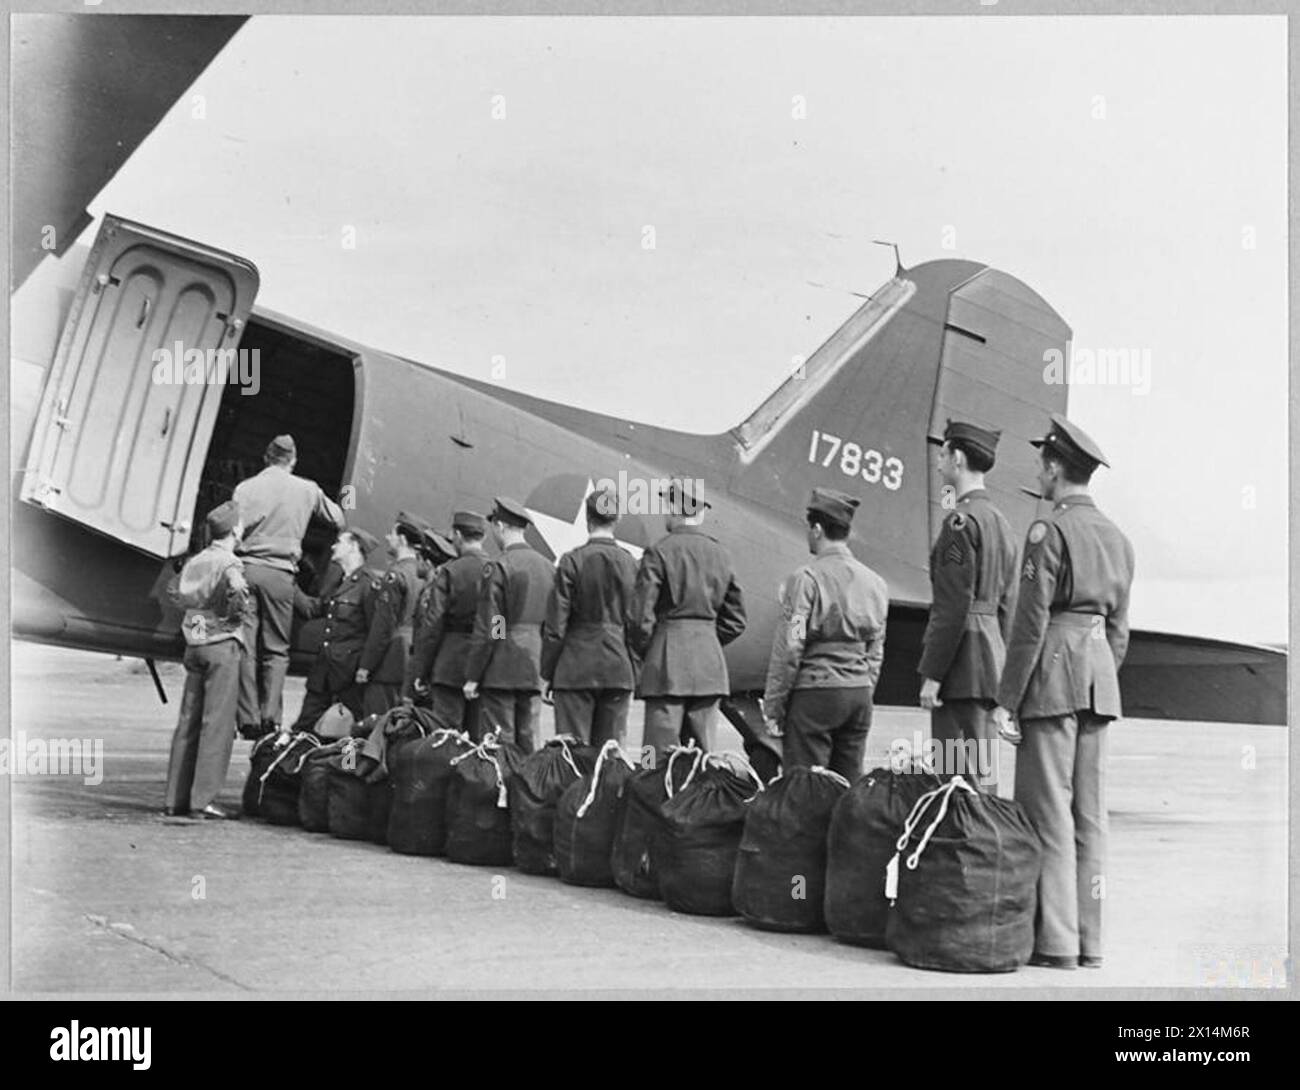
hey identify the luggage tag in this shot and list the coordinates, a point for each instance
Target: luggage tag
(891, 880)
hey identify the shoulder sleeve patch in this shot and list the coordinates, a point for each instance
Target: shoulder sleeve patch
(957, 521)
(1037, 532)
(487, 570)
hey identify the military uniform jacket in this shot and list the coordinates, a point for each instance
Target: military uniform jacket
(277, 507)
(687, 607)
(585, 637)
(348, 608)
(833, 635)
(505, 648)
(388, 644)
(442, 635)
(1070, 631)
(973, 580)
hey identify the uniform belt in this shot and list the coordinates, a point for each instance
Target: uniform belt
(1073, 618)
(983, 609)
(596, 626)
(859, 645)
(404, 630)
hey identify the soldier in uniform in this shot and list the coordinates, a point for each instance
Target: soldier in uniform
(437, 667)
(973, 582)
(687, 607)
(1061, 683)
(348, 609)
(214, 594)
(277, 508)
(383, 663)
(433, 554)
(585, 659)
(505, 648)
(827, 654)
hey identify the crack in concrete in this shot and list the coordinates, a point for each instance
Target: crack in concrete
(126, 931)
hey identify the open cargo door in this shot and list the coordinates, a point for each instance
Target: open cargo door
(115, 446)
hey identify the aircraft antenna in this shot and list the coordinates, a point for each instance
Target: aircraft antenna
(898, 261)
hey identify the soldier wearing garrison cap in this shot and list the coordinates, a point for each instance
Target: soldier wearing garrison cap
(347, 606)
(436, 671)
(585, 657)
(383, 664)
(828, 650)
(214, 594)
(687, 607)
(1061, 683)
(973, 582)
(502, 669)
(277, 508)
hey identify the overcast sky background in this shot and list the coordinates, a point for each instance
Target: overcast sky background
(521, 237)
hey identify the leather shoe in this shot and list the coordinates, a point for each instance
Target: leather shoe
(215, 813)
(176, 811)
(1090, 961)
(1054, 961)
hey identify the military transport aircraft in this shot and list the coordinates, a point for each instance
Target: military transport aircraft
(113, 470)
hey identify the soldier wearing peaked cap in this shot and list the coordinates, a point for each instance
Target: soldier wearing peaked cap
(585, 657)
(973, 583)
(277, 508)
(383, 664)
(437, 667)
(687, 607)
(1061, 682)
(348, 607)
(502, 669)
(827, 653)
(436, 551)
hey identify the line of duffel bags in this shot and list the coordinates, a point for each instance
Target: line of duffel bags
(942, 874)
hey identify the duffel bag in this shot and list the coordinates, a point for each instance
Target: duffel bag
(859, 844)
(694, 856)
(964, 883)
(535, 791)
(358, 803)
(640, 821)
(274, 777)
(313, 790)
(400, 726)
(780, 879)
(420, 775)
(586, 820)
(478, 804)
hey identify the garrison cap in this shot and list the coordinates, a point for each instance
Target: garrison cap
(222, 518)
(603, 504)
(364, 538)
(835, 505)
(1072, 443)
(282, 446)
(982, 439)
(469, 520)
(511, 512)
(685, 496)
(436, 544)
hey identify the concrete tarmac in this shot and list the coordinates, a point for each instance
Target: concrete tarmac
(111, 897)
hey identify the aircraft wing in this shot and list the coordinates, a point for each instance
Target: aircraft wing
(87, 89)
(1189, 677)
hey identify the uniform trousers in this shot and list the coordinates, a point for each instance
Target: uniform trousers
(451, 711)
(594, 715)
(267, 631)
(970, 740)
(512, 714)
(673, 719)
(1061, 783)
(827, 727)
(379, 696)
(205, 729)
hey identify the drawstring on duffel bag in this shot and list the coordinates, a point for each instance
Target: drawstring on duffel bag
(288, 749)
(564, 740)
(913, 820)
(697, 755)
(729, 759)
(487, 750)
(609, 749)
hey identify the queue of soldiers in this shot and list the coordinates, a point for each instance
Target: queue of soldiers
(1022, 647)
